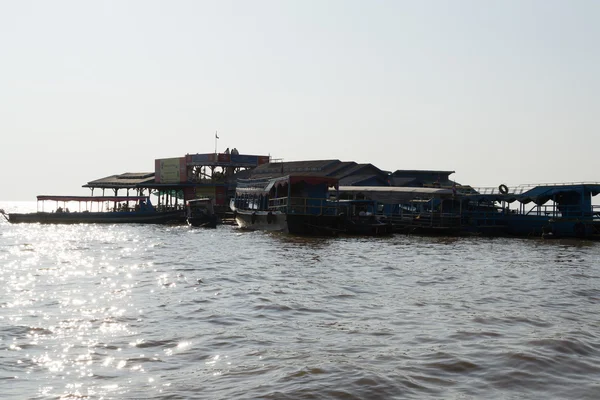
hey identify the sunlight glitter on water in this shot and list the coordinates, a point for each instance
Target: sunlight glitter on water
(145, 312)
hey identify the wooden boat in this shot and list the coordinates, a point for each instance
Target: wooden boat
(293, 204)
(201, 213)
(110, 210)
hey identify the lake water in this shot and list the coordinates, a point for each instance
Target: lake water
(155, 312)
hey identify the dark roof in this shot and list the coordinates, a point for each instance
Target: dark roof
(347, 171)
(420, 178)
(352, 180)
(417, 172)
(396, 181)
(340, 168)
(356, 168)
(306, 168)
(127, 180)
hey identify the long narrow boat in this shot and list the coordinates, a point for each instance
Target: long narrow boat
(293, 204)
(109, 210)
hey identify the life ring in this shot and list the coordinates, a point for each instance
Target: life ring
(503, 189)
(270, 217)
(253, 217)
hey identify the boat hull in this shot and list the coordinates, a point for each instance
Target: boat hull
(208, 221)
(260, 221)
(367, 227)
(298, 224)
(167, 217)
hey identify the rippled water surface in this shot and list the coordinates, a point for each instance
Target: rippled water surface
(153, 312)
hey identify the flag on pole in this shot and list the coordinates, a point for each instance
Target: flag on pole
(216, 136)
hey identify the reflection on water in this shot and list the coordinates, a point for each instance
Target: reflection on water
(172, 312)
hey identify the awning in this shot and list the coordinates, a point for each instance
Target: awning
(91, 198)
(395, 194)
(539, 194)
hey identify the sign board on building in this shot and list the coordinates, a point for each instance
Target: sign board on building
(170, 170)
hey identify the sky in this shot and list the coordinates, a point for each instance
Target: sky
(498, 91)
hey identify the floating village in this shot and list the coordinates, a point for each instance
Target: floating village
(322, 198)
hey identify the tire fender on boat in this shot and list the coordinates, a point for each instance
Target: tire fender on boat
(253, 217)
(270, 217)
(503, 189)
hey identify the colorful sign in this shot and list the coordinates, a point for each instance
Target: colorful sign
(170, 170)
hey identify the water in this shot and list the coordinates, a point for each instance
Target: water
(154, 312)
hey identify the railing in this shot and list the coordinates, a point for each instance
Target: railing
(555, 211)
(303, 205)
(163, 207)
(425, 219)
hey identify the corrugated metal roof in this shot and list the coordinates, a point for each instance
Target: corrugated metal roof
(351, 180)
(128, 179)
(333, 168)
(417, 172)
(311, 168)
(340, 168)
(357, 168)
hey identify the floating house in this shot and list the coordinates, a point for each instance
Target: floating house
(425, 201)
(178, 179)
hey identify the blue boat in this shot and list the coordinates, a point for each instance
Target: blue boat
(549, 211)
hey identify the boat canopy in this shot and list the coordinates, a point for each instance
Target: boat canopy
(265, 185)
(396, 194)
(539, 194)
(91, 198)
(310, 180)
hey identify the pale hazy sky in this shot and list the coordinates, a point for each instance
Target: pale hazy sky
(498, 91)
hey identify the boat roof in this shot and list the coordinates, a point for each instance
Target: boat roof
(539, 194)
(91, 198)
(395, 194)
(265, 185)
(126, 180)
